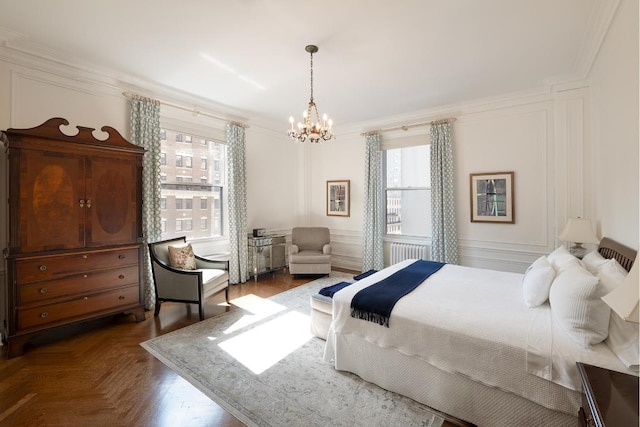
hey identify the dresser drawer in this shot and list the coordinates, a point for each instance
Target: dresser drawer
(36, 292)
(32, 269)
(72, 309)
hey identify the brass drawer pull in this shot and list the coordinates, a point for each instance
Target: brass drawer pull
(44, 315)
(84, 257)
(121, 276)
(43, 267)
(81, 203)
(121, 297)
(120, 256)
(88, 203)
(43, 290)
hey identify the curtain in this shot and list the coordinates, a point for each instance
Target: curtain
(444, 242)
(373, 228)
(145, 132)
(237, 186)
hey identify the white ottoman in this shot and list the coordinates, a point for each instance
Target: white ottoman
(321, 315)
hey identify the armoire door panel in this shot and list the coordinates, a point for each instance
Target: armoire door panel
(51, 197)
(112, 198)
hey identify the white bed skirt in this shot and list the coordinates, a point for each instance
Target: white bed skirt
(456, 395)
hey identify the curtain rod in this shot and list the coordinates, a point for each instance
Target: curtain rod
(407, 127)
(194, 111)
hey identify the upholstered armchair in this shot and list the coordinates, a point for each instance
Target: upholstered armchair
(192, 279)
(310, 251)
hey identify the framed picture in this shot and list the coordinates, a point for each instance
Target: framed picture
(338, 198)
(492, 197)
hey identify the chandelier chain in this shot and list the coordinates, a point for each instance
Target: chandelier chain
(311, 76)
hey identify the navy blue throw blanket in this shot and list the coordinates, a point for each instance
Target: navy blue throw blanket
(365, 274)
(330, 290)
(374, 303)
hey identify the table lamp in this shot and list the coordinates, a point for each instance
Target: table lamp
(579, 231)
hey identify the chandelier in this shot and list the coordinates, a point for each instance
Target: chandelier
(311, 127)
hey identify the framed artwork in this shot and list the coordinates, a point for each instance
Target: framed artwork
(338, 198)
(492, 197)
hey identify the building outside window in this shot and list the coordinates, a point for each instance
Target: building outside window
(163, 158)
(163, 203)
(181, 185)
(407, 174)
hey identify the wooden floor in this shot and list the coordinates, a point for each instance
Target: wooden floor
(96, 374)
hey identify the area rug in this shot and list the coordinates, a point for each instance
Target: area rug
(261, 364)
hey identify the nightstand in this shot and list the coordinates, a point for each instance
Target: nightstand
(609, 398)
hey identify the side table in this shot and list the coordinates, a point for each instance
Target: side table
(609, 398)
(266, 254)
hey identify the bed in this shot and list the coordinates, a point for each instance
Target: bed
(465, 343)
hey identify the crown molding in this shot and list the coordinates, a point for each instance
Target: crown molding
(599, 22)
(22, 52)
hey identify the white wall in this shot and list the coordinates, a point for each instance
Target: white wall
(614, 84)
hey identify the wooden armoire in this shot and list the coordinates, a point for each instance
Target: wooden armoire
(74, 248)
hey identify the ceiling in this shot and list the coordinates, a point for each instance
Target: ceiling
(376, 59)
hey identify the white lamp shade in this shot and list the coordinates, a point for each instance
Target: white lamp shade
(624, 299)
(578, 230)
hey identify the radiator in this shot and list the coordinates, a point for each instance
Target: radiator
(402, 251)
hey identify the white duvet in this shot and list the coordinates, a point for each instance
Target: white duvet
(473, 322)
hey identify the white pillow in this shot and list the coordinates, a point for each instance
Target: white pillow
(561, 259)
(593, 262)
(537, 282)
(623, 336)
(577, 307)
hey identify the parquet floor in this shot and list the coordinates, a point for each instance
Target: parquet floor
(96, 374)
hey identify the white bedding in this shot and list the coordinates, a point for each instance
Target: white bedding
(474, 322)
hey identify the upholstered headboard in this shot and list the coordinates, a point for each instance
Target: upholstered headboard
(609, 248)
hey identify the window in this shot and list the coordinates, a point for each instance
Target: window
(184, 203)
(184, 224)
(163, 158)
(180, 188)
(408, 190)
(163, 203)
(163, 135)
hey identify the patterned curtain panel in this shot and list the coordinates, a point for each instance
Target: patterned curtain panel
(145, 132)
(237, 186)
(373, 228)
(444, 241)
